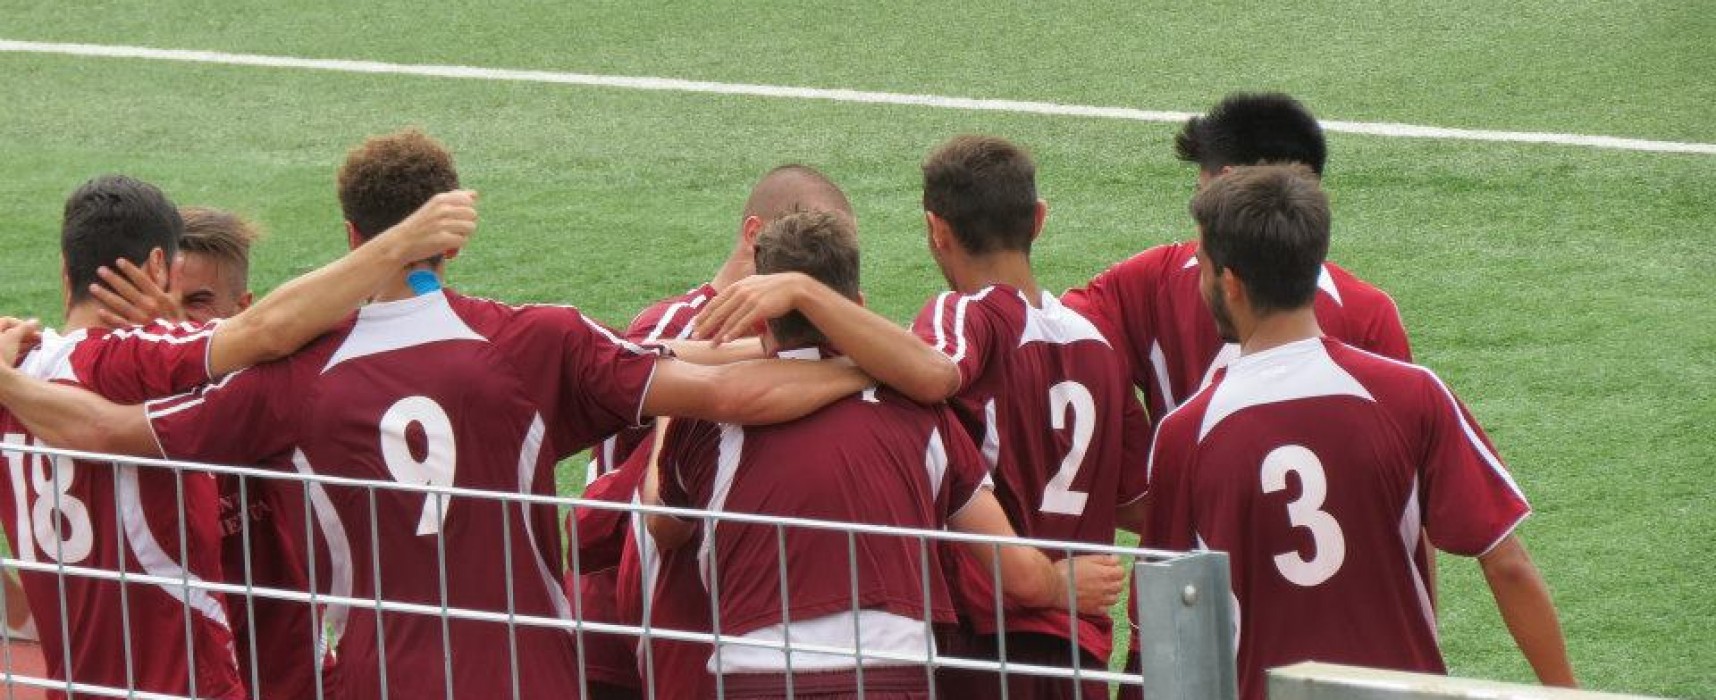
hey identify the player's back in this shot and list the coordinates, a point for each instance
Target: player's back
(1170, 340)
(444, 390)
(1304, 463)
(1047, 403)
(120, 518)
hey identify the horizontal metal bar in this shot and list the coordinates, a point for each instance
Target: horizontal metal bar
(1319, 681)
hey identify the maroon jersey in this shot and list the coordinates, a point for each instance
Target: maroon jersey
(666, 319)
(1047, 398)
(442, 390)
(1318, 468)
(122, 518)
(875, 458)
(1151, 305)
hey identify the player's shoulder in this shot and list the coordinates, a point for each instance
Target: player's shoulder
(659, 311)
(1355, 294)
(1387, 379)
(1154, 263)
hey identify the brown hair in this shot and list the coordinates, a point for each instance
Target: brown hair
(389, 176)
(823, 245)
(221, 235)
(1270, 224)
(985, 188)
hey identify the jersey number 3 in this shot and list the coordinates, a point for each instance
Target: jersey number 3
(439, 454)
(1306, 512)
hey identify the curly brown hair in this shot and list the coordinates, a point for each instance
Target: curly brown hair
(389, 176)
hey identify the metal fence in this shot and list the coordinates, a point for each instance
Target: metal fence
(1186, 621)
(1319, 681)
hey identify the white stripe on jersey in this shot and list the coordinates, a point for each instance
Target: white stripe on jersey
(936, 319)
(1159, 366)
(935, 462)
(152, 558)
(672, 311)
(732, 447)
(527, 457)
(1411, 536)
(140, 334)
(339, 546)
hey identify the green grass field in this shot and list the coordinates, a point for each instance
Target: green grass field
(1563, 291)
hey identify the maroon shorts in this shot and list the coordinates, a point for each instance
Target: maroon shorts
(1022, 648)
(609, 659)
(885, 683)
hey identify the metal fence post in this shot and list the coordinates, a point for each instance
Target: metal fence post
(1185, 627)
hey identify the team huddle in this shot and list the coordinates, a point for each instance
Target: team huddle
(1281, 421)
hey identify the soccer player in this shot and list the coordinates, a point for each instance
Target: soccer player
(612, 558)
(878, 458)
(161, 638)
(1151, 300)
(1319, 467)
(1035, 384)
(429, 387)
(210, 279)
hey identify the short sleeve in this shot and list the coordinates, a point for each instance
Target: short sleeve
(604, 379)
(1385, 335)
(969, 328)
(1134, 449)
(963, 470)
(132, 365)
(244, 419)
(1470, 501)
(1168, 520)
(689, 453)
(669, 318)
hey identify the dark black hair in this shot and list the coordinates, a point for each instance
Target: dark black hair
(1248, 129)
(114, 217)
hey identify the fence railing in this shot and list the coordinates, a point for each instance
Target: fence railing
(1319, 681)
(1186, 621)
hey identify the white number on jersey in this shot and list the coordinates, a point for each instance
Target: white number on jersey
(1306, 512)
(58, 520)
(1058, 496)
(439, 457)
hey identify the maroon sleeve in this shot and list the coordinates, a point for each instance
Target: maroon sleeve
(1168, 510)
(669, 318)
(1470, 501)
(132, 365)
(965, 471)
(1384, 333)
(604, 380)
(245, 419)
(1134, 450)
(971, 328)
(600, 533)
(1120, 300)
(689, 454)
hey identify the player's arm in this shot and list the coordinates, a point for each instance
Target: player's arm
(298, 311)
(758, 392)
(75, 419)
(703, 352)
(1525, 605)
(889, 352)
(1028, 578)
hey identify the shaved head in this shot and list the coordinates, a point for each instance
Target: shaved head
(795, 188)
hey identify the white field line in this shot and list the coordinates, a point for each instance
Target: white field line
(834, 95)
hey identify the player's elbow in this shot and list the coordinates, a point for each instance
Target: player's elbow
(1507, 565)
(934, 382)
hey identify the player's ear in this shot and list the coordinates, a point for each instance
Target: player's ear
(749, 228)
(352, 237)
(245, 299)
(65, 283)
(940, 233)
(156, 267)
(1042, 215)
(1232, 287)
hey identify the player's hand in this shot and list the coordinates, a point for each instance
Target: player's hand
(740, 309)
(442, 226)
(1097, 579)
(16, 338)
(132, 298)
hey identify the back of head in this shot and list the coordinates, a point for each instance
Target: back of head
(1270, 225)
(985, 188)
(820, 244)
(110, 218)
(1248, 129)
(792, 188)
(222, 236)
(388, 177)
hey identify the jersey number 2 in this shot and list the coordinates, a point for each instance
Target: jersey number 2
(58, 520)
(1058, 496)
(1306, 512)
(439, 454)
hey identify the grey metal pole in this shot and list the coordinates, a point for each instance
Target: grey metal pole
(1185, 627)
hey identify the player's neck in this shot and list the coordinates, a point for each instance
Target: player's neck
(1011, 269)
(84, 314)
(397, 290)
(1281, 328)
(738, 267)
